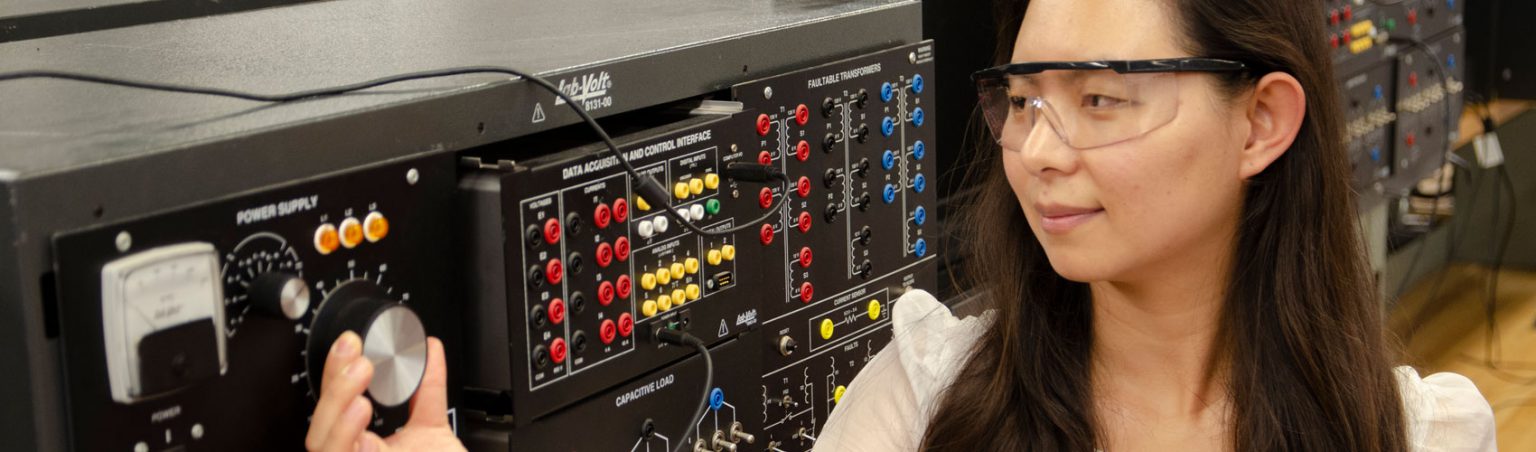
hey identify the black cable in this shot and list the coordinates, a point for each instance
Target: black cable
(1445, 154)
(675, 337)
(286, 97)
(1493, 356)
(1454, 238)
(648, 187)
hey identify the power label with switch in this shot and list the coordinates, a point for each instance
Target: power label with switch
(200, 328)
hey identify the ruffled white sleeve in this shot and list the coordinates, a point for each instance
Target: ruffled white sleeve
(886, 407)
(1445, 412)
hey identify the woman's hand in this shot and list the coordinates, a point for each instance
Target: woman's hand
(341, 417)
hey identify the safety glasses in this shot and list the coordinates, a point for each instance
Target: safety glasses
(1087, 104)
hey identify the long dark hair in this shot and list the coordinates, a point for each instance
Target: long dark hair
(1300, 336)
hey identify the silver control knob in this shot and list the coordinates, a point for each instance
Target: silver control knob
(394, 340)
(280, 293)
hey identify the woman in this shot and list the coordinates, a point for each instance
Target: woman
(1170, 250)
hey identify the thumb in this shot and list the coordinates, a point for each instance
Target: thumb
(429, 407)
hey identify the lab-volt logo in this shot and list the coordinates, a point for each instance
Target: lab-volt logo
(589, 89)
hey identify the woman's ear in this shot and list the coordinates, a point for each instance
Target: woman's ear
(1275, 112)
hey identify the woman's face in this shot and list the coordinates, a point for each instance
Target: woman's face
(1165, 201)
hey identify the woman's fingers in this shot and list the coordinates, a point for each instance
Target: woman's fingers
(429, 407)
(345, 378)
(348, 428)
(371, 442)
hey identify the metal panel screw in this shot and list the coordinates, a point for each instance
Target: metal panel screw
(124, 242)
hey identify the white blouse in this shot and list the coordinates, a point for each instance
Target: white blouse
(885, 408)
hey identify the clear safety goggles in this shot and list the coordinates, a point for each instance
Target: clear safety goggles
(1086, 103)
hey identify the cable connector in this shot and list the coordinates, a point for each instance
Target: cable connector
(753, 172)
(677, 337)
(653, 192)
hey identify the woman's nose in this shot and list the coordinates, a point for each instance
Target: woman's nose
(1044, 149)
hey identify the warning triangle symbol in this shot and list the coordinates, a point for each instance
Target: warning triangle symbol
(538, 112)
(723, 330)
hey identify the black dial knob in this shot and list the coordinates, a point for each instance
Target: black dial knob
(280, 293)
(393, 340)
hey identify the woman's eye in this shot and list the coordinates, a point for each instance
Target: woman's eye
(1017, 102)
(1101, 101)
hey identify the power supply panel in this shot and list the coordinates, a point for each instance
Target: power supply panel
(199, 328)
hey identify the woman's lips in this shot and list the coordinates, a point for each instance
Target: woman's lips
(1062, 219)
